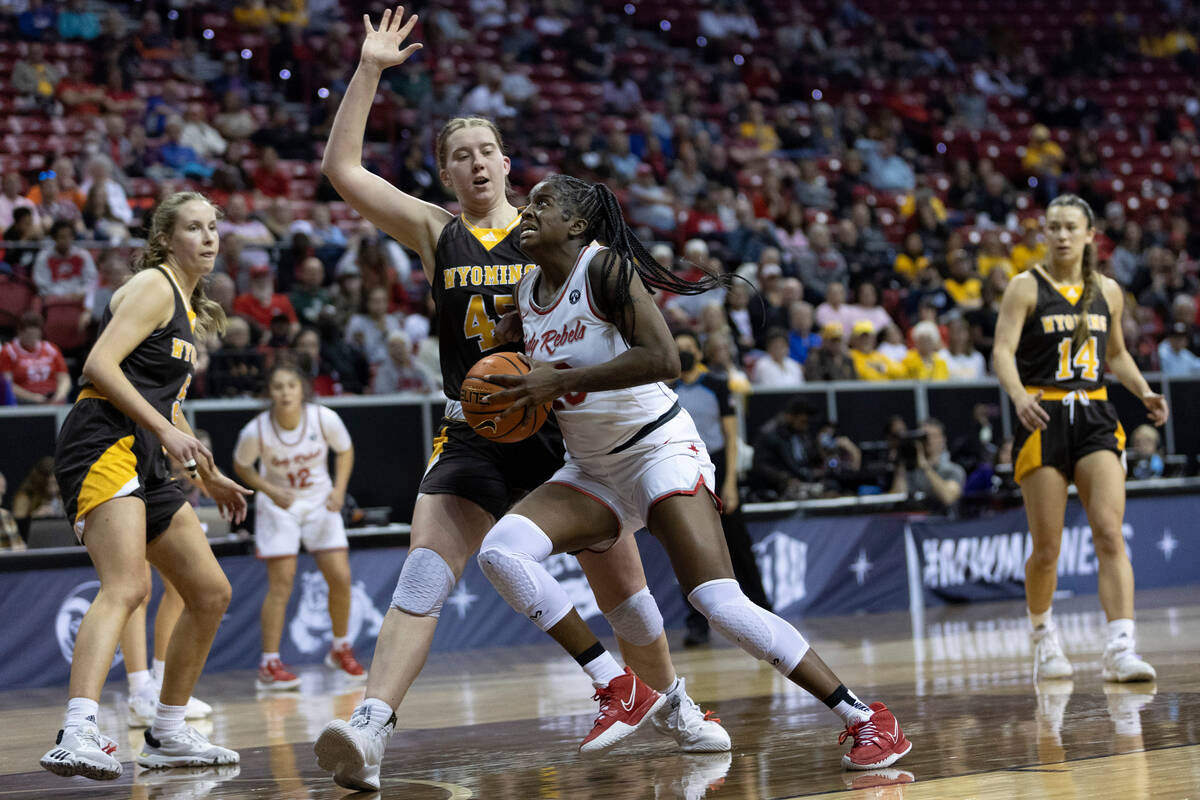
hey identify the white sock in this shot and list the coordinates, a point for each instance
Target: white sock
(847, 706)
(673, 687)
(81, 710)
(167, 720)
(602, 669)
(1119, 629)
(339, 642)
(267, 658)
(1042, 620)
(140, 682)
(378, 712)
(160, 669)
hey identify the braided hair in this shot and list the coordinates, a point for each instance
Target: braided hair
(1091, 281)
(596, 203)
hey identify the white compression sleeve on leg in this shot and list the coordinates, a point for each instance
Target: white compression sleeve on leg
(511, 557)
(637, 620)
(756, 630)
(424, 584)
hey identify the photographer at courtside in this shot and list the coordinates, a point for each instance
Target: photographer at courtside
(924, 471)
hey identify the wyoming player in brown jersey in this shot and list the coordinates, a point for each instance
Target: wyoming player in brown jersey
(472, 260)
(1059, 324)
(116, 484)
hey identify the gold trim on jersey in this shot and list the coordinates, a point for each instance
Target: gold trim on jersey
(1071, 292)
(89, 393)
(490, 237)
(1055, 393)
(108, 477)
(191, 315)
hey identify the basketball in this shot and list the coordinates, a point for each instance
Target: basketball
(485, 418)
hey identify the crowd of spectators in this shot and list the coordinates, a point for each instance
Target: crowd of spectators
(835, 156)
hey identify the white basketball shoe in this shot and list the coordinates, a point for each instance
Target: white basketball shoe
(1123, 665)
(82, 750)
(695, 731)
(1049, 661)
(353, 750)
(186, 747)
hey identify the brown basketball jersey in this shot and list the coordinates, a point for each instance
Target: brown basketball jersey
(475, 270)
(1045, 356)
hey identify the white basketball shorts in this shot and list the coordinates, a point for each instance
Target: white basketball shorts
(280, 531)
(670, 460)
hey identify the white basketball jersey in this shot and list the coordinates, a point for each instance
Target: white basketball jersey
(570, 332)
(296, 459)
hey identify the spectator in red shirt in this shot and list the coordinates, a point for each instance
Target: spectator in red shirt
(33, 367)
(262, 302)
(63, 271)
(270, 178)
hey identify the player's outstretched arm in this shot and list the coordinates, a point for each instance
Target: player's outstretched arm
(410, 221)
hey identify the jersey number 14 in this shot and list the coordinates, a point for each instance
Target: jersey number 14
(1084, 360)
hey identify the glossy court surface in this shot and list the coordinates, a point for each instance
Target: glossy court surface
(506, 723)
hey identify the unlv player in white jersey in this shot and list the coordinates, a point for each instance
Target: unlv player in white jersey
(297, 502)
(600, 349)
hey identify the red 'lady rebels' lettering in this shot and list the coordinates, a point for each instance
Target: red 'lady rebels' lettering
(552, 340)
(300, 458)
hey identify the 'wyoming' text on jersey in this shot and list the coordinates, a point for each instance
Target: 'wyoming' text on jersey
(1061, 323)
(486, 275)
(183, 349)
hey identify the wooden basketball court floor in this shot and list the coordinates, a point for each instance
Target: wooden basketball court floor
(506, 723)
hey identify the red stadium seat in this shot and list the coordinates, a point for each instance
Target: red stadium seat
(62, 326)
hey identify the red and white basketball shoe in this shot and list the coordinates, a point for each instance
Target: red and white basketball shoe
(878, 741)
(343, 660)
(274, 676)
(625, 705)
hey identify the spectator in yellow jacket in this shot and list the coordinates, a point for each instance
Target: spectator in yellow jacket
(869, 363)
(923, 363)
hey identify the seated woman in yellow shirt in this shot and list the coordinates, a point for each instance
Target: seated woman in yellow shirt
(912, 260)
(869, 363)
(1030, 250)
(923, 363)
(963, 286)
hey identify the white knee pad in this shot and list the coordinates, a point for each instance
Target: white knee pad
(756, 630)
(637, 620)
(511, 557)
(424, 584)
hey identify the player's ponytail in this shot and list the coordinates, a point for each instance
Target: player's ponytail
(210, 317)
(597, 204)
(1091, 281)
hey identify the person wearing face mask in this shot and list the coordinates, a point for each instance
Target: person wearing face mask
(705, 395)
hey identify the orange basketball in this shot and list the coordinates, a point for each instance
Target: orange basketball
(485, 418)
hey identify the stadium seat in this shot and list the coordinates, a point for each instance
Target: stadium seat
(62, 326)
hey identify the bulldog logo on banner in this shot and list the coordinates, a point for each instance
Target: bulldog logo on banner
(310, 629)
(70, 614)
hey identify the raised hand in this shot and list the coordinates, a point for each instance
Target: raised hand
(381, 47)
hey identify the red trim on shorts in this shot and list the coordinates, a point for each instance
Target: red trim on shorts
(699, 482)
(611, 510)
